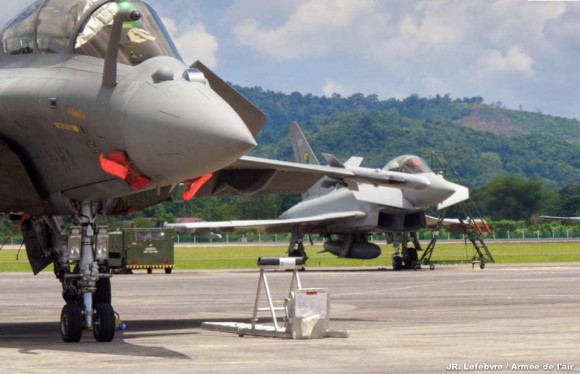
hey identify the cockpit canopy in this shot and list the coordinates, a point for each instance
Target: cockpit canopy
(83, 27)
(408, 164)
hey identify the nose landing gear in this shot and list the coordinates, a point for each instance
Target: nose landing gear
(405, 258)
(87, 287)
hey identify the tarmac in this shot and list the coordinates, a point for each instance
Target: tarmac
(455, 318)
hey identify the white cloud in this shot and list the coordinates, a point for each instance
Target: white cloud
(194, 42)
(268, 12)
(513, 51)
(564, 32)
(513, 61)
(471, 47)
(492, 48)
(525, 22)
(430, 25)
(314, 28)
(330, 87)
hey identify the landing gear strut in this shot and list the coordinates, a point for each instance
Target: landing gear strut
(406, 258)
(296, 248)
(87, 287)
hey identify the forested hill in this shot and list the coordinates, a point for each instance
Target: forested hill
(483, 141)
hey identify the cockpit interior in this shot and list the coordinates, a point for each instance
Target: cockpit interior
(408, 164)
(83, 27)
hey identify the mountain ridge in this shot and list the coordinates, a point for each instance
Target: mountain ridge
(484, 141)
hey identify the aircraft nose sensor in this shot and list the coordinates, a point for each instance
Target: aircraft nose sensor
(194, 75)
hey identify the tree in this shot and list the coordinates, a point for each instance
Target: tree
(570, 201)
(257, 207)
(511, 197)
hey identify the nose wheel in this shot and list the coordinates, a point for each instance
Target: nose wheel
(104, 323)
(71, 323)
(72, 318)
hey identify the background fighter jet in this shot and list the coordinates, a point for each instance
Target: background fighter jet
(564, 219)
(346, 212)
(99, 115)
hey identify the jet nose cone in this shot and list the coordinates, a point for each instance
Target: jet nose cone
(183, 130)
(441, 192)
(460, 193)
(216, 128)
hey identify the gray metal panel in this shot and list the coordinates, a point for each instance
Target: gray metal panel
(257, 181)
(17, 192)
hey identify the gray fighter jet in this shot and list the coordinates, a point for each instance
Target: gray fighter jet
(346, 212)
(99, 115)
(563, 219)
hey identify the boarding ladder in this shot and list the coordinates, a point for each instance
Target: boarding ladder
(469, 218)
(472, 230)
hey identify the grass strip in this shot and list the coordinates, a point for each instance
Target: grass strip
(244, 257)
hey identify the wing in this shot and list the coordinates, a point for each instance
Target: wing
(452, 225)
(251, 175)
(565, 219)
(270, 225)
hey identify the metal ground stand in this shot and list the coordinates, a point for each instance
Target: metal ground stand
(305, 310)
(291, 263)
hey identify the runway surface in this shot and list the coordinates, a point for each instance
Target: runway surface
(399, 322)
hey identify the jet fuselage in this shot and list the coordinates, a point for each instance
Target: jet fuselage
(60, 119)
(385, 208)
(99, 115)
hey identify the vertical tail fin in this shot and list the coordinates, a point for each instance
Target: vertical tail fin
(303, 154)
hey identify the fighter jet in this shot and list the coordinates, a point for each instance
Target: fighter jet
(347, 212)
(563, 219)
(100, 116)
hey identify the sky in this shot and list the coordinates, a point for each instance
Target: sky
(524, 54)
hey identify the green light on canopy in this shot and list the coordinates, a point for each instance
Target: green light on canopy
(128, 5)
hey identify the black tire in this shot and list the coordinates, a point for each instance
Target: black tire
(103, 293)
(71, 323)
(149, 271)
(168, 270)
(410, 258)
(104, 323)
(397, 263)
